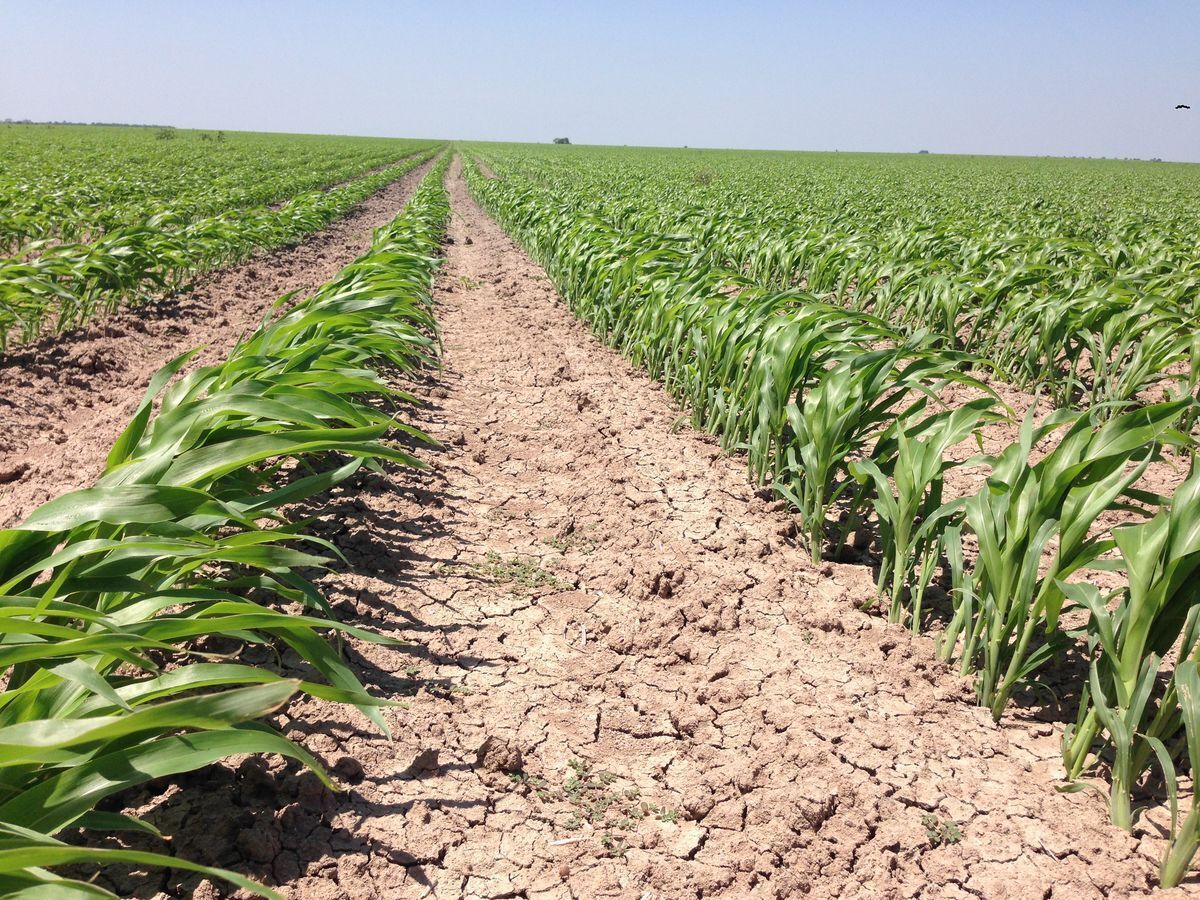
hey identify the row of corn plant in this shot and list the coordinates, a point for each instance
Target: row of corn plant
(105, 591)
(1074, 328)
(73, 184)
(68, 285)
(839, 410)
(1089, 315)
(795, 382)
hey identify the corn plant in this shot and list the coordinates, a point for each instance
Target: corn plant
(1029, 509)
(104, 591)
(1185, 835)
(856, 400)
(908, 501)
(1156, 612)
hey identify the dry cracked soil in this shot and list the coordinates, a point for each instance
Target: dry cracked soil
(622, 677)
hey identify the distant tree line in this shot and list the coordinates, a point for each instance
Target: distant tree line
(65, 122)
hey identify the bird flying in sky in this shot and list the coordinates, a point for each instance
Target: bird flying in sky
(1182, 106)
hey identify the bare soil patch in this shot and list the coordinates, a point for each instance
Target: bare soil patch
(64, 400)
(625, 678)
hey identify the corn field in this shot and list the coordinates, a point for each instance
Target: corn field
(105, 590)
(976, 379)
(88, 239)
(73, 184)
(815, 316)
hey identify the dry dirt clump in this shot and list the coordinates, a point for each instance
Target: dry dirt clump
(64, 400)
(622, 678)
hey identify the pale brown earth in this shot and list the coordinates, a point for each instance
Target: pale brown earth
(625, 679)
(64, 400)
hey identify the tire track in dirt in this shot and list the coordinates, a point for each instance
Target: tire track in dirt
(625, 679)
(64, 400)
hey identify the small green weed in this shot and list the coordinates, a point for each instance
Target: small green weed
(611, 809)
(939, 832)
(573, 541)
(535, 783)
(598, 801)
(525, 573)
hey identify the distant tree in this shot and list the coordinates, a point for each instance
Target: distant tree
(562, 140)
(923, 151)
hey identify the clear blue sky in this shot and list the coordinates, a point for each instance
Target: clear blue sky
(1095, 78)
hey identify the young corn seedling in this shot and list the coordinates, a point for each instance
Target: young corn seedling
(1185, 835)
(1133, 350)
(908, 504)
(958, 640)
(852, 402)
(1156, 612)
(1028, 510)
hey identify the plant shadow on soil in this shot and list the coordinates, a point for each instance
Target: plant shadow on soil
(267, 817)
(1055, 691)
(1054, 694)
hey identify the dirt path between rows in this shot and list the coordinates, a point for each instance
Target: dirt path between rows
(64, 400)
(625, 679)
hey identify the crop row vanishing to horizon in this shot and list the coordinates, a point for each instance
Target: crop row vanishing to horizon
(106, 590)
(92, 219)
(978, 376)
(850, 323)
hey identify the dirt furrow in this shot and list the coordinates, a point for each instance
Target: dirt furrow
(624, 680)
(64, 400)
